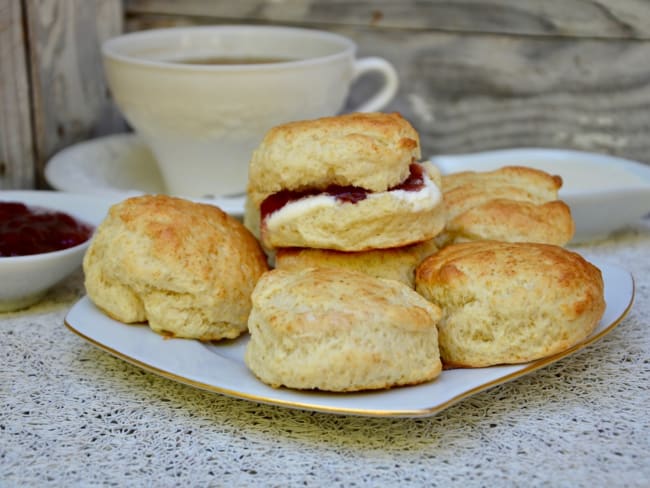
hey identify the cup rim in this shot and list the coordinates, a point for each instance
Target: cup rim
(110, 48)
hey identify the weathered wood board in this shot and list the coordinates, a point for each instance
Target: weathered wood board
(482, 75)
(69, 95)
(573, 18)
(52, 87)
(476, 92)
(475, 74)
(16, 147)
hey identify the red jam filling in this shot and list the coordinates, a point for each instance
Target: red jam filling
(414, 181)
(346, 194)
(29, 230)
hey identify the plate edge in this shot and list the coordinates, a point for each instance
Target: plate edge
(414, 413)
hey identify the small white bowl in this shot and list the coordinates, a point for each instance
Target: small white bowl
(24, 280)
(605, 193)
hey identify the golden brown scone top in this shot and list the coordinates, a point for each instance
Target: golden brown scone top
(513, 203)
(368, 150)
(515, 221)
(544, 184)
(497, 259)
(396, 263)
(186, 268)
(510, 302)
(180, 234)
(329, 299)
(340, 330)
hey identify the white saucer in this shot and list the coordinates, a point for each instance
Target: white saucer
(110, 164)
(605, 193)
(115, 165)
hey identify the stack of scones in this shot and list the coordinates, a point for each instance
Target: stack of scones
(383, 271)
(332, 198)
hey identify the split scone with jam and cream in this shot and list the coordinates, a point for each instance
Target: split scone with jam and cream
(348, 183)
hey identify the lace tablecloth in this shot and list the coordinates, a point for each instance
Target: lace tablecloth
(72, 415)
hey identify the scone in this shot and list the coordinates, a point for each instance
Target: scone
(339, 330)
(510, 302)
(188, 269)
(396, 263)
(351, 183)
(512, 204)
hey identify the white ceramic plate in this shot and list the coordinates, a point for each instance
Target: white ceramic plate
(116, 165)
(604, 193)
(221, 369)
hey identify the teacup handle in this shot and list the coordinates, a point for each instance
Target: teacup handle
(391, 82)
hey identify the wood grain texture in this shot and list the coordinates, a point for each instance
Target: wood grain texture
(475, 74)
(571, 18)
(16, 148)
(468, 92)
(70, 99)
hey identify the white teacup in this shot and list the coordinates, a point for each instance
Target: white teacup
(203, 121)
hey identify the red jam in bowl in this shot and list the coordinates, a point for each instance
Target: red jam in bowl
(28, 230)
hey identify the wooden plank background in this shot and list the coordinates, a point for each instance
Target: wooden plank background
(69, 94)
(52, 85)
(478, 75)
(475, 74)
(573, 18)
(16, 146)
